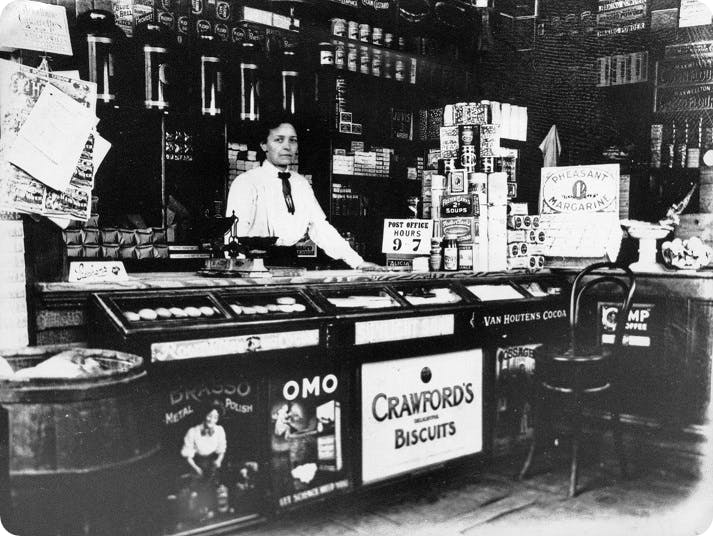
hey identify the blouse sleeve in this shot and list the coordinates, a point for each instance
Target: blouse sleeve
(220, 437)
(242, 199)
(189, 444)
(327, 237)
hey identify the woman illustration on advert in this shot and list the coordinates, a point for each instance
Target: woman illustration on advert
(204, 444)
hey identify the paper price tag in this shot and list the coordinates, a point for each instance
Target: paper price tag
(412, 237)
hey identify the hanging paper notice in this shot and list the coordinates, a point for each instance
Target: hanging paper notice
(51, 140)
(20, 89)
(29, 25)
(695, 13)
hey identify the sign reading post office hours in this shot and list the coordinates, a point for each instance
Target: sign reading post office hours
(420, 411)
(407, 236)
(579, 189)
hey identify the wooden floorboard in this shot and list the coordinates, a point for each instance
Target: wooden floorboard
(670, 494)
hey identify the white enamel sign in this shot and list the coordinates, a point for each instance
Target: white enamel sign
(420, 411)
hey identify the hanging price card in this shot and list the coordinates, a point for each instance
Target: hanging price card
(407, 236)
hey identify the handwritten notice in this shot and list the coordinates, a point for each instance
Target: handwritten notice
(96, 271)
(29, 25)
(51, 140)
(407, 236)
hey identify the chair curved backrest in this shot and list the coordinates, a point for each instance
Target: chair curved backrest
(613, 273)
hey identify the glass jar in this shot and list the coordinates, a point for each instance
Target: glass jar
(465, 254)
(450, 254)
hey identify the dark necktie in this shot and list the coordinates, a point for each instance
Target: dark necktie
(287, 190)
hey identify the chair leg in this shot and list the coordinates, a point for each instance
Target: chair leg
(574, 469)
(537, 431)
(619, 443)
(530, 456)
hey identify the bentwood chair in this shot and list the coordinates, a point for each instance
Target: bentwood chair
(574, 377)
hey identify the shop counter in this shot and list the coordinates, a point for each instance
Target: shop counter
(325, 386)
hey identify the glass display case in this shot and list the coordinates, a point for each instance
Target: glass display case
(360, 298)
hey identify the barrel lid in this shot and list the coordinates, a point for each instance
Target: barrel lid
(84, 365)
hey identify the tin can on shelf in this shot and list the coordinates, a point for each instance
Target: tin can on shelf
(352, 58)
(353, 30)
(339, 27)
(364, 60)
(326, 53)
(377, 35)
(388, 39)
(399, 70)
(340, 55)
(364, 32)
(376, 63)
(387, 66)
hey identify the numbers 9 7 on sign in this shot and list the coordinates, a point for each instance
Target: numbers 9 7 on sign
(407, 236)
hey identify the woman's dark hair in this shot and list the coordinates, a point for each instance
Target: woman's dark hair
(217, 406)
(272, 121)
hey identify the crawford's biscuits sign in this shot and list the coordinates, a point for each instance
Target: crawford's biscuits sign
(572, 189)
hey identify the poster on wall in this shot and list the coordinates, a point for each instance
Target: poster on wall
(307, 413)
(579, 189)
(420, 411)
(579, 208)
(620, 16)
(514, 392)
(210, 437)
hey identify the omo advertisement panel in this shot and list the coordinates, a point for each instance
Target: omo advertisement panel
(211, 440)
(308, 436)
(420, 411)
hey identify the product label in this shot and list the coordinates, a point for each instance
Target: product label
(638, 328)
(204, 417)
(308, 415)
(571, 189)
(459, 205)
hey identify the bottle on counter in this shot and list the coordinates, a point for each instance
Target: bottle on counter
(668, 155)
(450, 253)
(465, 253)
(680, 150)
(435, 260)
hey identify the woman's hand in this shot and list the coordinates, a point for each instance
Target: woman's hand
(371, 267)
(194, 466)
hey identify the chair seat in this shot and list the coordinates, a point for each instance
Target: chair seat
(567, 372)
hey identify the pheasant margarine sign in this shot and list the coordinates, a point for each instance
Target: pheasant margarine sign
(573, 189)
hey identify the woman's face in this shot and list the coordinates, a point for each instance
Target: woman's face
(211, 419)
(281, 145)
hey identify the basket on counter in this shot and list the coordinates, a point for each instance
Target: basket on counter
(77, 448)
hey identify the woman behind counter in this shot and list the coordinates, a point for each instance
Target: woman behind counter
(271, 201)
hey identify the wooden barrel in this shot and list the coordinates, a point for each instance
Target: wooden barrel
(76, 446)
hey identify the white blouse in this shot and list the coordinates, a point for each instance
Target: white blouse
(195, 442)
(256, 198)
